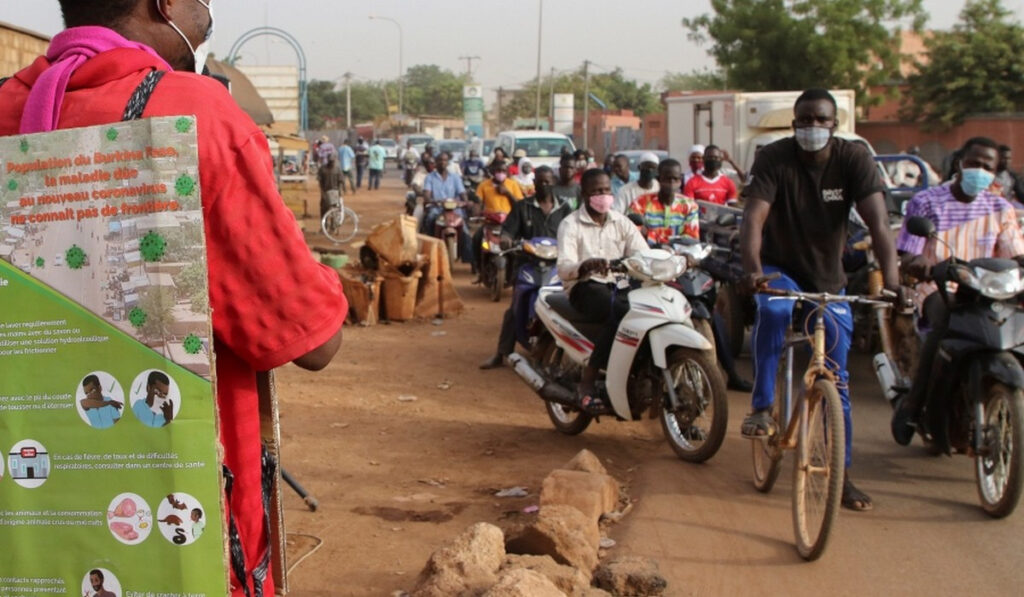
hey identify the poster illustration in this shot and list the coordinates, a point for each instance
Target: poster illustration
(109, 477)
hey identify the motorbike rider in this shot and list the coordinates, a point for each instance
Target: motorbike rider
(710, 184)
(696, 161)
(977, 223)
(410, 160)
(566, 190)
(620, 173)
(587, 240)
(797, 205)
(473, 169)
(412, 204)
(496, 196)
(646, 182)
(534, 216)
(439, 186)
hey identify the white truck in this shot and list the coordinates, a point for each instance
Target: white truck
(740, 123)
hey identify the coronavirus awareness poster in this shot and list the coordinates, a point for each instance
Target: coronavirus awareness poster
(109, 477)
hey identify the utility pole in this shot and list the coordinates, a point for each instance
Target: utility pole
(348, 102)
(586, 104)
(469, 65)
(499, 108)
(540, 29)
(551, 99)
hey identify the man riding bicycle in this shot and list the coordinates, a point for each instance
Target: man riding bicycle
(797, 205)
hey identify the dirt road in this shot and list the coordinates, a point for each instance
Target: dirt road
(396, 477)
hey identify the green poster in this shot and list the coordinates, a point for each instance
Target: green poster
(109, 476)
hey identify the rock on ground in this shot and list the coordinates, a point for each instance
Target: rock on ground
(587, 462)
(593, 494)
(630, 575)
(520, 582)
(466, 565)
(569, 580)
(563, 533)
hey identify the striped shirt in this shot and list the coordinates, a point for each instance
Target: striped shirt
(679, 219)
(985, 227)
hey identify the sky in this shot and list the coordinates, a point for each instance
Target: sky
(644, 37)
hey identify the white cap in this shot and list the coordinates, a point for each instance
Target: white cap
(696, 149)
(648, 156)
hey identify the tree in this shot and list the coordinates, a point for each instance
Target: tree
(972, 69)
(324, 103)
(694, 80)
(766, 45)
(612, 88)
(429, 89)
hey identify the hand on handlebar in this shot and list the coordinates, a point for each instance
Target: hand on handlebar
(756, 282)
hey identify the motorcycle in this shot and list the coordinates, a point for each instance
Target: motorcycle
(720, 227)
(659, 363)
(975, 399)
(448, 227)
(696, 283)
(538, 256)
(494, 270)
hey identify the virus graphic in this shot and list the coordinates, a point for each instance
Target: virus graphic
(152, 246)
(193, 344)
(40, 262)
(75, 257)
(183, 125)
(137, 316)
(23, 146)
(184, 185)
(12, 184)
(112, 134)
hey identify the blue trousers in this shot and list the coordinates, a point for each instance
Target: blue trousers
(774, 317)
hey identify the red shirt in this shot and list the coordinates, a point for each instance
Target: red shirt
(715, 190)
(271, 302)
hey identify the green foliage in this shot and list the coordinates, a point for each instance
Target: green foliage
(769, 45)
(191, 284)
(429, 89)
(157, 308)
(695, 80)
(611, 87)
(974, 68)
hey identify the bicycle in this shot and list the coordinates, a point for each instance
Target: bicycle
(339, 223)
(817, 433)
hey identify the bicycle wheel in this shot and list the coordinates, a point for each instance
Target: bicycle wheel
(767, 452)
(820, 464)
(340, 224)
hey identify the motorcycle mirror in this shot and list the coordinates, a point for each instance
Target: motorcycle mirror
(919, 226)
(726, 220)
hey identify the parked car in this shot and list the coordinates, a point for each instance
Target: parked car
(458, 148)
(419, 141)
(542, 148)
(390, 148)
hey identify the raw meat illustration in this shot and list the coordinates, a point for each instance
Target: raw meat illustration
(126, 509)
(124, 530)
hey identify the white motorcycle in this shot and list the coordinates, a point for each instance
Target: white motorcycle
(659, 364)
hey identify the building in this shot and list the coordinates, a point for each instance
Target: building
(19, 47)
(279, 87)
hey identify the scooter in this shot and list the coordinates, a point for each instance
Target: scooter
(659, 363)
(696, 283)
(975, 399)
(448, 227)
(539, 255)
(494, 271)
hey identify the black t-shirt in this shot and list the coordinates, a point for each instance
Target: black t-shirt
(805, 232)
(527, 220)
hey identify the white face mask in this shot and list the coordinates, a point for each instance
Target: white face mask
(812, 138)
(202, 51)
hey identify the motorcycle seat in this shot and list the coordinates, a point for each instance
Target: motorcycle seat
(559, 302)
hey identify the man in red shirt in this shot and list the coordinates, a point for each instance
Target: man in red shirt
(710, 184)
(271, 302)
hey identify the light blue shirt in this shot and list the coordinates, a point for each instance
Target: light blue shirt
(377, 155)
(146, 416)
(617, 182)
(443, 188)
(103, 417)
(347, 156)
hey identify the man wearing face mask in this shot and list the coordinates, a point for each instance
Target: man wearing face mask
(710, 184)
(271, 302)
(587, 240)
(645, 184)
(797, 205)
(696, 161)
(974, 221)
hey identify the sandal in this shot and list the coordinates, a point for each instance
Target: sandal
(758, 424)
(592, 405)
(855, 499)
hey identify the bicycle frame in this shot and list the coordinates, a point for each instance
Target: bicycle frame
(816, 369)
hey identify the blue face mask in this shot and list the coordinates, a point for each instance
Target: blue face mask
(975, 180)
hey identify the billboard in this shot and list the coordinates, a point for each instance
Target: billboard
(473, 110)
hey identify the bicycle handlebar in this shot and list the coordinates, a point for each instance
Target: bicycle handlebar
(827, 297)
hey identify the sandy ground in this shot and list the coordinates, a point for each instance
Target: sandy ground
(395, 478)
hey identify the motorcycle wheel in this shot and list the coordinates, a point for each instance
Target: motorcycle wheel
(452, 244)
(497, 283)
(567, 420)
(1000, 470)
(697, 429)
(729, 304)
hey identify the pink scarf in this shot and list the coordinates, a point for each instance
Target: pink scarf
(69, 50)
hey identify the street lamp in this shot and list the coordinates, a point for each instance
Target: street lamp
(401, 71)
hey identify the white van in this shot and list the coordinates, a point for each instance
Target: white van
(542, 148)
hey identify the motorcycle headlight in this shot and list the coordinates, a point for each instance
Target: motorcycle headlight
(542, 251)
(486, 246)
(1000, 285)
(666, 270)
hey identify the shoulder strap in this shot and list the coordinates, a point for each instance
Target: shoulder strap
(137, 103)
(3, 80)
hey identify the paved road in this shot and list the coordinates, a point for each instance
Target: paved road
(714, 534)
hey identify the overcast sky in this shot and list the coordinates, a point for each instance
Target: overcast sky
(644, 37)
